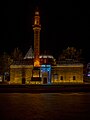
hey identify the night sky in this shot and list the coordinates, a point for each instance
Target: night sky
(64, 23)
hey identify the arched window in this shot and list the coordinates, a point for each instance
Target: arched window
(74, 78)
(61, 77)
(55, 76)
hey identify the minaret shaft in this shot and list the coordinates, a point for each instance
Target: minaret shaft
(36, 28)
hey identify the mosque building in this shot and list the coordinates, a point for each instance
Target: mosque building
(43, 69)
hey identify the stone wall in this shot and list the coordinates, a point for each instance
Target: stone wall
(19, 72)
(67, 73)
(59, 74)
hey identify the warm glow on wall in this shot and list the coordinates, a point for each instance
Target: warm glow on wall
(36, 63)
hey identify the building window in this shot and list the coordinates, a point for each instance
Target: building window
(74, 78)
(44, 61)
(61, 77)
(55, 76)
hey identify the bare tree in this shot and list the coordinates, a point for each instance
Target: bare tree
(17, 54)
(5, 62)
(71, 53)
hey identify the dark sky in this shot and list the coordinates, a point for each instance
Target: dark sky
(64, 23)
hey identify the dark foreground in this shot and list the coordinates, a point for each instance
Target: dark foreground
(44, 88)
(45, 106)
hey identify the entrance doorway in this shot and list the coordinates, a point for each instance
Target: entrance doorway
(23, 80)
(46, 73)
(45, 80)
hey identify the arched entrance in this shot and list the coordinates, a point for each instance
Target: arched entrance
(45, 80)
(46, 74)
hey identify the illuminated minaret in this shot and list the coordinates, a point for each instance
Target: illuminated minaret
(36, 28)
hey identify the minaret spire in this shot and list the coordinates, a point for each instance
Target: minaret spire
(36, 28)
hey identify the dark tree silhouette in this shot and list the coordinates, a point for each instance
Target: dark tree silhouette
(71, 53)
(17, 55)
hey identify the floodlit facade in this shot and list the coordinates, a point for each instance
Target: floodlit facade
(43, 69)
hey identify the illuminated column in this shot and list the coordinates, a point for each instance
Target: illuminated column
(36, 28)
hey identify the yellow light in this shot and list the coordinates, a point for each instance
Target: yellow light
(36, 13)
(37, 63)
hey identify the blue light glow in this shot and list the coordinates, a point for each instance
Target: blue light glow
(88, 74)
(46, 69)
